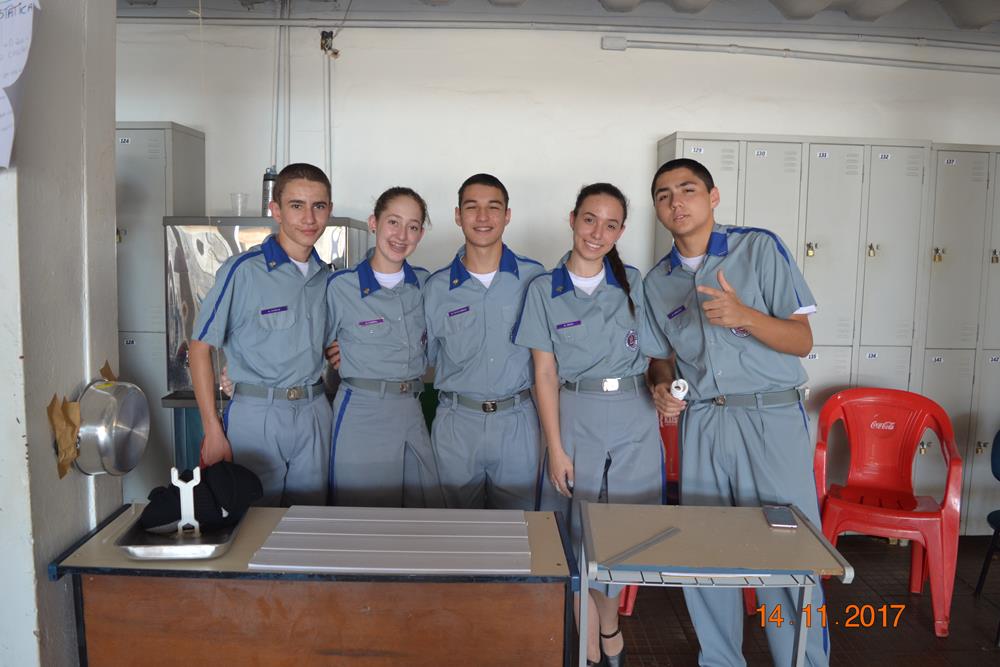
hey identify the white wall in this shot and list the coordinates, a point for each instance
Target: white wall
(545, 111)
(59, 313)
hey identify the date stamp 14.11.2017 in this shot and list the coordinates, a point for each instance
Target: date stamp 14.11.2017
(852, 616)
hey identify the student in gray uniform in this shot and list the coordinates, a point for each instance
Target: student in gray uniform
(380, 453)
(585, 323)
(732, 306)
(485, 432)
(267, 312)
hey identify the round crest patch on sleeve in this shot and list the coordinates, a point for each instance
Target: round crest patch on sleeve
(632, 339)
(739, 332)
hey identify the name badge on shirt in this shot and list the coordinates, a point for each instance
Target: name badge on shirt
(567, 325)
(272, 311)
(458, 311)
(675, 312)
(368, 323)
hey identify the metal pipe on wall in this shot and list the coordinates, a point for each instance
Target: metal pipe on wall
(617, 43)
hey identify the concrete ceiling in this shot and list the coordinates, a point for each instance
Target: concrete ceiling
(969, 21)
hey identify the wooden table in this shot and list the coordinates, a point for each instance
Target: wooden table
(709, 546)
(132, 612)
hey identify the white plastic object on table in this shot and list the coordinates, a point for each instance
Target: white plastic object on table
(679, 389)
(187, 501)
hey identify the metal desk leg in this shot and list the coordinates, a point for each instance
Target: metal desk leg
(801, 632)
(584, 603)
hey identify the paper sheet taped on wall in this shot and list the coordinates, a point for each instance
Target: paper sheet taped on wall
(16, 18)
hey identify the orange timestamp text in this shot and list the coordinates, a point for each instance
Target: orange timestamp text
(854, 616)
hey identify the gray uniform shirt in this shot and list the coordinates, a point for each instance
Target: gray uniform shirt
(267, 317)
(381, 331)
(469, 328)
(593, 336)
(718, 360)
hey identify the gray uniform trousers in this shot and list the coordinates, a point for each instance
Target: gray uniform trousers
(487, 460)
(748, 457)
(381, 454)
(285, 443)
(614, 432)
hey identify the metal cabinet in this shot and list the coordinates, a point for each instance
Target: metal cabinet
(890, 250)
(771, 193)
(887, 367)
(160, 170)
(829, 371)
(947, 381)
(960, 199)
(982, 490)
(991, 319)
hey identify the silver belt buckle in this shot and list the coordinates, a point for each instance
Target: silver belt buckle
(404, 387)
(609, 384)
(719, 400)
(489, 406)
(295, 393)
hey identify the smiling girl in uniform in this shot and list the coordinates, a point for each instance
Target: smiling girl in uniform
(585, 323)
(380, 451)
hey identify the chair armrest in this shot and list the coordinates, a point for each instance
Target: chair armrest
(952, 499)
(819, 469)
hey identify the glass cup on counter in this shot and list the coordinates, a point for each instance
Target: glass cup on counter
(239, 201)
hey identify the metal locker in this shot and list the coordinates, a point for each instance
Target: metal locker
(887, 367)
(141, 166)
(829, 371)
(956, 253)
(982, 491)
(773, 180)
(832, 232)
(948, 382)
(143, 360)
(722, 158)
(891, 249)
(991, 323)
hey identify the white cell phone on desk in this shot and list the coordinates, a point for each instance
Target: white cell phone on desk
(780, 516)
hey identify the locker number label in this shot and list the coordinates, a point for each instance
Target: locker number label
(129, 341)
(872, 355)
(760, 152)
(812, 355)
(884, 156)
(124, 140)
(697, 150)
(822, 155)
(995, 359)
(937, 360)
(950, 162)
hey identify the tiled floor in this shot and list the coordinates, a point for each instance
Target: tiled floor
(659, 633)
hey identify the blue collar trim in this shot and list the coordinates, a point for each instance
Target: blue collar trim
(718, 246)
(562, 283)
(459, 274)
(368, 284)
(275, 255)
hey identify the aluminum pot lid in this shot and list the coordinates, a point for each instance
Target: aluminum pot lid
(114, 427)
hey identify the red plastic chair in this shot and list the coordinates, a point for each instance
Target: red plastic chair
(672, 463)
(883, 429)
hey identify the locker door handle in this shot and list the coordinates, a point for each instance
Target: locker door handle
(922, 448)
(981, 447)
(872, 249)
(995, 258)
(938, 254)
(811, 249)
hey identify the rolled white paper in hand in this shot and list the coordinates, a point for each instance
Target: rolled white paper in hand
(679, 389)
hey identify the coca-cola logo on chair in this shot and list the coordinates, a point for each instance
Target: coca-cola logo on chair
(877, 425)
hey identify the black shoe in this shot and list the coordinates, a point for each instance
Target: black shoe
(612, 660)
